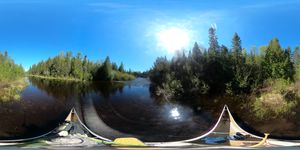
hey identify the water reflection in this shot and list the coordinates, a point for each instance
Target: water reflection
(127, 109)
(133, 112)
(175, 114)
(35, 113)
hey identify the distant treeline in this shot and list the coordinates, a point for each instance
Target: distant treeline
(9, 71)
(80, 68)
(220, 70)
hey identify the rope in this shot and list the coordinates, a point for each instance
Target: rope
(193, 139)
(236, 127)
(28, 139)
(90, 131)
(233, 124)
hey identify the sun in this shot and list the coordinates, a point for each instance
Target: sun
(173, 39)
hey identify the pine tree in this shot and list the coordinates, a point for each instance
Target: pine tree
(107, 70)
(224, 51)
(86, 74)
(121, 68)
(237, 49)
(277, 62)
(253, 54)
(5, 54)
(78, 68)
(196, 52)
(289, 65)
(68, 63)
(296, 57)
(9, 71)
(114, 66)
(213, 42)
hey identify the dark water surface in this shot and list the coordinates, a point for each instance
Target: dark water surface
(126, 109)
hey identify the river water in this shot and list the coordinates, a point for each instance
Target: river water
(127, 109)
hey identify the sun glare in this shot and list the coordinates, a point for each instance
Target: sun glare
(172, 39)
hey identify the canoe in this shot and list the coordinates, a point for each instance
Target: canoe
(69, 134)
(73, 132)
(249, 143)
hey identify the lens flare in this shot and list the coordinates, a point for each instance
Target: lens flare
(173, 39)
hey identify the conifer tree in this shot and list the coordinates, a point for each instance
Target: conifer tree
(296, 56)
(121, 68)
(213, 42)
(237, 49)
(9, 71)
(196, 52)
(277, 62)
(107, 70)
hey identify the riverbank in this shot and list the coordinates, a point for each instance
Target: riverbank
(122, 77)
(12, 90)
(278, 97)
(56, 78)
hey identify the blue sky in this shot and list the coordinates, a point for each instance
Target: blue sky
(127, 31)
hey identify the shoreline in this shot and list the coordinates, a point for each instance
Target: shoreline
(56, 78)
(74, 80)
(12, 90)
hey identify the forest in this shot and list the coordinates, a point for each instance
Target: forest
(9, 71)
(11, 78)
(66, 66)
(265, 74)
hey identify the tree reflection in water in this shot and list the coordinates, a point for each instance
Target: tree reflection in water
(117, 109)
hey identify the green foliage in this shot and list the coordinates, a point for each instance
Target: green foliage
(11, 81)
(213, 42)
(12, 90)
(297, 75)
(105, 71)
(279, 99)
(121, 76)
(277, 62)
(278, 85)
(170, 90)
(9, 71)
(160, 71)
(296, 57)
(114, 66)
(220, 71)
(121, 68)
(238, 57)
(78, 68)
(296, 61)
(272, 106)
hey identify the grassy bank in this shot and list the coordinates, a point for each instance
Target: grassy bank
(55, 78)
(121, 76)
(10, 91)
(279, 97)
(118, 76)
